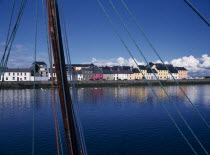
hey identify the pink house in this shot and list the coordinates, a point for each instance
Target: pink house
(97, 73)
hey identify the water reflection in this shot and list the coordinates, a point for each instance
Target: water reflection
(111, 116)
(140, 94)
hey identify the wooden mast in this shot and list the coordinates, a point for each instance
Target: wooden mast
(63, 86)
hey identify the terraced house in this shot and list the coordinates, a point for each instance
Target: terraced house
(17, 74)
(182, 72)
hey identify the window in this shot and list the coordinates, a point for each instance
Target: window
(20, 73)
(9, 73)
(6, 78)
(13, 78)
(17, 73)
(25, 73)
(13, 73)
(24, 78)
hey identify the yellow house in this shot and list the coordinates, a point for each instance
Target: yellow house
(162, 71)
(139, 75)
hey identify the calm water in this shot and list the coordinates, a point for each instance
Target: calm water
(116, 121)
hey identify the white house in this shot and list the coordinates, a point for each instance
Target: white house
(78, 76)
(150, 75)
(174, 73)
(17, 74)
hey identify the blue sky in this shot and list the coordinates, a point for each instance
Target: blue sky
(173, 28)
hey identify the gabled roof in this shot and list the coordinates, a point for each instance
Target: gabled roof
(126, 67)
(18, 70)
(97, 70)
(107, 72)
(39, 63)
(150, 70)
(53, 70)
(82, 65)
(180, 68)
(77, 72)
(136, 70)
(161, 67)
(173, 70)
(142, 67)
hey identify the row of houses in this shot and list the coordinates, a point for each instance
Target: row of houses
(85, 72)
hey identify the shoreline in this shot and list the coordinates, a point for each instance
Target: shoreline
(47, 84)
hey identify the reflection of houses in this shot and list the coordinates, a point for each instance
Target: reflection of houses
(180, 93)
(17, 74)
(139, 93)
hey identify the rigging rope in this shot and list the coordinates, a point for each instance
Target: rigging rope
(174, 103)
(197, 12)
(71, 77)
(113, 25)
(34, 86)
(9, 44)
(155, 51)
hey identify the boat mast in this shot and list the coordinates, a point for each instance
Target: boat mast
(55, 37)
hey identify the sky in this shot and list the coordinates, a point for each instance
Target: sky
(177, 33)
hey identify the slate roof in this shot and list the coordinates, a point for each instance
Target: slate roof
(173, 70)
(142, 67)
(136, 70)
(39, 63)
(180, 68)
(161, 67)
(97, 70)
(150, 70)
(126, 67)
(82, 65)
(53, 70)
(18, 70)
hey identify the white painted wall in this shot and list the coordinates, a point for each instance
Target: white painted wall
(16, 76)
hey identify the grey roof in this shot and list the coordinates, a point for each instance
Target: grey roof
(159, 67)
(136, 70)
(142, 67)
(82, 65)
(18, 70)
(53, 70)
(173, 70)
(97, 70)
(77, 72)
(126, 67)
(180, 68)
(39, 63)
(150, 70)
(107, 72)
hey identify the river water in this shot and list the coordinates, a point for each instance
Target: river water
(115, 120)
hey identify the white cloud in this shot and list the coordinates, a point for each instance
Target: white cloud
(114, 62)
(194, 65)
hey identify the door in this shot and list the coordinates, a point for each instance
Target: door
(17, 78)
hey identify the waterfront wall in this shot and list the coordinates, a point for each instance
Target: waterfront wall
(47, 84)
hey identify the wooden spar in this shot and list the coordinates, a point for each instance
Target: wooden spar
(63, 86)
